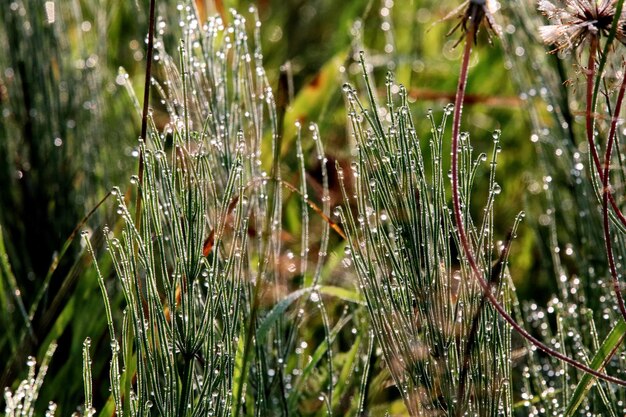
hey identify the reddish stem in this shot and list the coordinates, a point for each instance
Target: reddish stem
(605, 199)
(146, 107)
(591, 73)
(456, 124)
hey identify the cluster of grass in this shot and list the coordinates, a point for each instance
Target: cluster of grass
(245, 271)
(430, 316)
(582, 318)
(203, 267)
(58, 102)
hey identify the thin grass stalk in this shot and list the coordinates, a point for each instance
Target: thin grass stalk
(146, 104)
(264, 249)
(7, 273)
(101, 284)
(64, 249)
(87, 379)
(592, 99)
(606, 190)
(366, 373)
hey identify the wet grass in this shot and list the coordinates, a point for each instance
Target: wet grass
(296, 239)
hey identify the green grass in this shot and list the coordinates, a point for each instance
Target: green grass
(295, 251)
(427, 311)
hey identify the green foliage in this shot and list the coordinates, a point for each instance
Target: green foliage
(250, 270)
(202, 266)
(58, 102)
(581, 318)
(427, 311)
(22, 401)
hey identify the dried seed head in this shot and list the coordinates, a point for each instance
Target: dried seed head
(472, 14)
(621, 29)
(573, 22)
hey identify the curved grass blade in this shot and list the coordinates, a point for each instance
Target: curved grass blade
(7, 273)
(342, 293)
(277, 312)
(599, 361)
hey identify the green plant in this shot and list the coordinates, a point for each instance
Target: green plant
(429, 316)
(58, 101)
(206, 271)
(566, 191)
(373, 141)
(236, 280)
(21, 402)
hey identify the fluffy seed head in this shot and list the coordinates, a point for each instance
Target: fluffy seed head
(573, 22)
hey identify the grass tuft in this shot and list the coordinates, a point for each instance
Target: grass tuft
(427, 313)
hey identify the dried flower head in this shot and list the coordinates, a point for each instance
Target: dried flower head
(471, 14)
(575, 21)
(621, 29)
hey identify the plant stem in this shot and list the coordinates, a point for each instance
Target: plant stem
(146, 106)
(605, 199)
(185, 391)
(465, 242)
(467, 353)
(589, 122)
(494, 280)
(603, 173)
(456, 127)
(282, 102)
(591, 73)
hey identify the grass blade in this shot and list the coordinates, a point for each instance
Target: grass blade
(277, 312)
(600, 359)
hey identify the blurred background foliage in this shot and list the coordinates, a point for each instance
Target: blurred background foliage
(68, 134)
